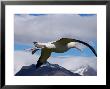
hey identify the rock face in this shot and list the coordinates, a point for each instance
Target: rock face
(46, 69)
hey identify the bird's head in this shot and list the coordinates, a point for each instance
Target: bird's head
(35, 42)
(38, 45)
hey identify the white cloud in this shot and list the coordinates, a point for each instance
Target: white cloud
(51, 27)
(22, 58)
(73, 62)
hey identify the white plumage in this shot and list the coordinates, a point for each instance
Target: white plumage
(72, 44)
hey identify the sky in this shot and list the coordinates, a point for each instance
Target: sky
(51, 27)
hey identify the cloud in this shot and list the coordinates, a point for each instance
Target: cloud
(22, 58)
(44, 28)
(74, 62)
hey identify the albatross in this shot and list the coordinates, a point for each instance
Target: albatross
(60, 46)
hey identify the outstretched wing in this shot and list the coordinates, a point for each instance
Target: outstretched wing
(63, 41)
(45, 54)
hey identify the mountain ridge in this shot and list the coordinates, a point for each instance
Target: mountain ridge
(46, 69)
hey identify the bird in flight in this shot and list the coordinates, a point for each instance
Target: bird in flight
(60, 46)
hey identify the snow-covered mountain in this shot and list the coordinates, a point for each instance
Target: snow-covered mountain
(85, 70)
(46, 69)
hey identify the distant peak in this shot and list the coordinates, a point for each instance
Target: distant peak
(85, 70)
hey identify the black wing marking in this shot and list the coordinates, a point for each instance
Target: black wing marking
(63, 41)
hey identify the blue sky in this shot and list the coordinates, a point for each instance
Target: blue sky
(75, 52)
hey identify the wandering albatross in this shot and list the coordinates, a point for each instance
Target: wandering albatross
(59, 46)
